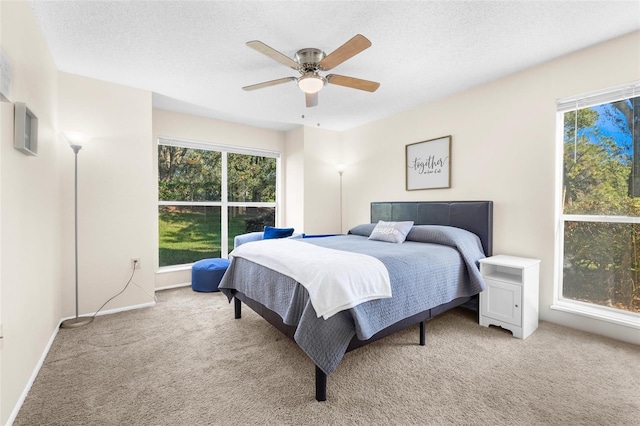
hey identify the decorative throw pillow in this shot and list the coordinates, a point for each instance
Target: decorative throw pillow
(392, 232)
(271, 233)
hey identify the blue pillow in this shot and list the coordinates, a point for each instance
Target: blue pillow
(270, 232)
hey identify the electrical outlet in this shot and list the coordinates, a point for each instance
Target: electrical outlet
(135, 263)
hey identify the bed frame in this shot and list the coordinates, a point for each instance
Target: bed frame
(474, 216)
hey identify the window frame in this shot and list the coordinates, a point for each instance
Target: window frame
(224, 204)
(559, 303)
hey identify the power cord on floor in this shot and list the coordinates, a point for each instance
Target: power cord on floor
(133, 271)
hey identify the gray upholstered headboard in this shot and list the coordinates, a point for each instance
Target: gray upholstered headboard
(474, 216)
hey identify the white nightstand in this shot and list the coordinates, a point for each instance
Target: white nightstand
(511, 297)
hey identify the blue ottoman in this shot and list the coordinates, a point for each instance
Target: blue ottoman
(207, 273)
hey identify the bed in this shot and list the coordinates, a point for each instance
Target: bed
(284, 302)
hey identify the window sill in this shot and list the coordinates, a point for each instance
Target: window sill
(627, 319)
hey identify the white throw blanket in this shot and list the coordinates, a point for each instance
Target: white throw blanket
(335, 280)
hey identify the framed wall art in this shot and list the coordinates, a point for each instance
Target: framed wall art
(25, 130)
(429, 164)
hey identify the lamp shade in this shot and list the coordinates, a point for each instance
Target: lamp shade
(76, 138)
(311, 83)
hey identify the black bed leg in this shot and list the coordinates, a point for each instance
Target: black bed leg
(422, 333)
(237, 308)
(321, 385)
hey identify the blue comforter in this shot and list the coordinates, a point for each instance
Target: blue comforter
(435, 265)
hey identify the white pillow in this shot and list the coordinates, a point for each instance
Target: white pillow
(392, 232)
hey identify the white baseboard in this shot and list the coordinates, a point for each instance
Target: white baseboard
(125, 308)
(169, 287)
(27, 388)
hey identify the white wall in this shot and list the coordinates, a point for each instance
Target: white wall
(30, 258)
(322, 152)
(116, 186)
(503, 149)
(313, 182)
(293, 164)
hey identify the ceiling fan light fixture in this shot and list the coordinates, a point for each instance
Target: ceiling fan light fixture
(311, 83)
(309, 62)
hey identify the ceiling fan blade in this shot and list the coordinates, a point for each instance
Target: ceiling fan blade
(311, 99)
(273, 54)
(351, 48)
(354, 83)
(269, 83)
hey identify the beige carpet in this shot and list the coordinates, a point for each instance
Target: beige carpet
(186, 361)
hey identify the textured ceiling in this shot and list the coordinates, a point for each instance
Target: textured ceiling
(192, 54)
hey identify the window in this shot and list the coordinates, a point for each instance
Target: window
(599, 199)
(208, 194)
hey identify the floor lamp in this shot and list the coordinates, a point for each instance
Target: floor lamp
(340, 168)
(75, 141)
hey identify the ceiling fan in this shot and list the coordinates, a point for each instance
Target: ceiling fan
(310, 62)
